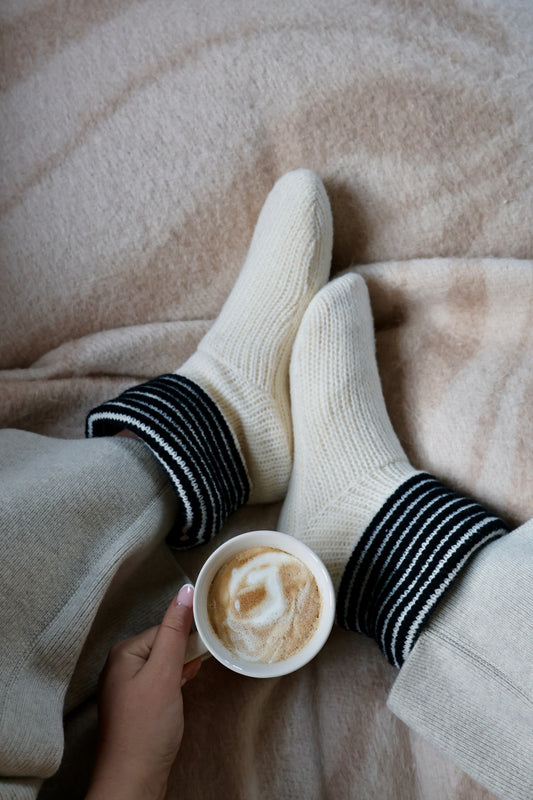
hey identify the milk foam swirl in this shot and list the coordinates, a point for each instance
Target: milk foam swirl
(264, 604)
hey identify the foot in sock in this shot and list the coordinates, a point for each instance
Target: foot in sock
(392, 537)
(221, 425)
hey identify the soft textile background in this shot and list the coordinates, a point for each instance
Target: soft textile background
(139, 141)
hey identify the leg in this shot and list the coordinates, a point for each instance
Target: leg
(79, 511)
(395, 539)
(221, 425)
(468, 684)
(73, 514)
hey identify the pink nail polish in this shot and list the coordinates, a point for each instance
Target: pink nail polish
(185, 595)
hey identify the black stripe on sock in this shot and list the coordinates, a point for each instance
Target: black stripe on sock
(160, 405)
(189, 436)
(407, 558)
(439, 516)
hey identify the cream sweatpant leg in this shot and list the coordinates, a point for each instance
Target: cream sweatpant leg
(468, 684)
(77, 518)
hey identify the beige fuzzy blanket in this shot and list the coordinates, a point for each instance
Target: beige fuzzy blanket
(139, 139)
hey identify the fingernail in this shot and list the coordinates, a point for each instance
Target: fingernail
(185, 594)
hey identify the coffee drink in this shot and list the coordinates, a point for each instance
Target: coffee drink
(264, 605)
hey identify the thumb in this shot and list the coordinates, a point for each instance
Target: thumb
(168, 649)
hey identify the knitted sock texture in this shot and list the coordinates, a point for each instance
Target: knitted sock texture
(243, 361)
(188, 435)
(221, 425)
(392, 537)
(406, 560)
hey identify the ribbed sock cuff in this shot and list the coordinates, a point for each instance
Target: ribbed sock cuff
(407, 558)
(189, 436)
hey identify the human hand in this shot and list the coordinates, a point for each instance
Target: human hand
(141, 708)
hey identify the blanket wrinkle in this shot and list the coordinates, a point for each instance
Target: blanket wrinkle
(139, 350)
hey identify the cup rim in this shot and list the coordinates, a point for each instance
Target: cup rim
(282, 541)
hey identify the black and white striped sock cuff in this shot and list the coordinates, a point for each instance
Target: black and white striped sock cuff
(406, 560)
(189, 436)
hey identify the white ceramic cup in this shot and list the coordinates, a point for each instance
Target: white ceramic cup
(206, 642)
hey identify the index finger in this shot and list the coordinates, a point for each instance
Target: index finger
(168, 649)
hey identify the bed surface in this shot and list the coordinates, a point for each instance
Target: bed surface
(139, 141)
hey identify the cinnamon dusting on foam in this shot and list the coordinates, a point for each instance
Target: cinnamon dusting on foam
(264, 604)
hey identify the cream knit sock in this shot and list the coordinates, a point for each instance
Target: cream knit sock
(221, 425)
(243, 361)
(392, 537)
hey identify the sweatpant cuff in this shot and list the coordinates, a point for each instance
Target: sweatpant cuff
(470, 712)
(190, 438)
(408, 558)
